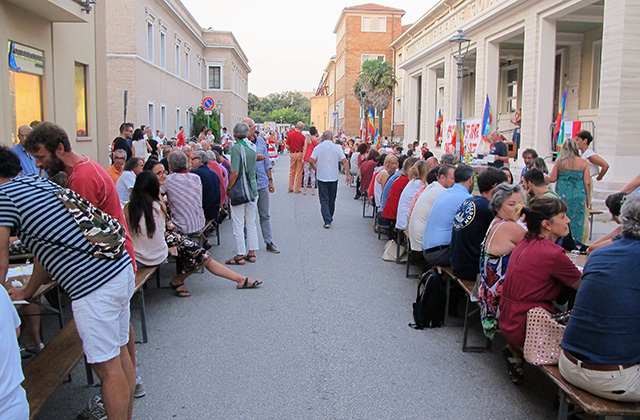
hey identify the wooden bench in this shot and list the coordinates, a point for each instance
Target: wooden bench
(142, 275)
(591, 214)
(588, 402)
(48, 369)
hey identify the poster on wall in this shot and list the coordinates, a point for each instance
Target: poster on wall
(471, 137)
(26, 59)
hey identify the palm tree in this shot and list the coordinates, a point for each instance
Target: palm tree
(378, 80)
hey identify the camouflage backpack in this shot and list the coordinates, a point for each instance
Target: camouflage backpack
(105, 234)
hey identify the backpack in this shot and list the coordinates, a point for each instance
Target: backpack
(428, 309)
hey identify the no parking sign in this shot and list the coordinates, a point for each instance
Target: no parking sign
(208, 103)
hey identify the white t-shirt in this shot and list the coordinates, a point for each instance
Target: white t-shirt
(404, 203)
(327, 156)
(125, 185)
(377, 187)
(421, 213)
(594, 169)
(10, 364)
(151, 251)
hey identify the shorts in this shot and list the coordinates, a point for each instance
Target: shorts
(14, 405)
(102, 317)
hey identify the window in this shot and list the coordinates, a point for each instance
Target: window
(178, 120)
(163, 50)
(374, 24)
(366, 57)
(149, 41)
(151, 121)
(186, 65)
(340, 69)
(199, 74)
(25, 86)
(163, 118)
(213, 77)
(340, 109)
(177, 60)
(82, 128)
(341, 31)
(510, 83)
(595, 75)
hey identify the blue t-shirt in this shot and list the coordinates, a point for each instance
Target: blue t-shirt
(387, 189)
(27, 161)
(604, 327)
(470, 225)
(439, 225)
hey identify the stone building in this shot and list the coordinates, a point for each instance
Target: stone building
(363, 33)
(168, 64)
(55, 70)
(524, 54)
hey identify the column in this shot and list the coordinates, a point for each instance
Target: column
(429, 105)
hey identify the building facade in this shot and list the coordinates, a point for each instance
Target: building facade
(55, 70)
(161, 65)
(524, 55)
(363, 33)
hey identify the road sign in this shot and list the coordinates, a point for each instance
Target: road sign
(208, 112)
(207, 103)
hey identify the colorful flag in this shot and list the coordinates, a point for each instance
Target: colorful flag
(439, 122)
(559, 126)
(371, 128)
(376, 139)
(487, 119)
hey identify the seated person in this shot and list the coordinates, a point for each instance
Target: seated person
(389, 181)
(184, 194)
(470, 226)
(503, 235)
(601, 350)
(424, 203)
(390, 210)
(537, 271)
(418, 181)
(210, 188)
(436, 239)
(534, 183)
(367, 169)
(613, 203)
(115, 170)
(128, 177)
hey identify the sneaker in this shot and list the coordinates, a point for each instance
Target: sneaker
(140, 391)
(94, 411)
(327, 226)
(272, 248)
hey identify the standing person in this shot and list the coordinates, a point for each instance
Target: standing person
(325, 159)
(202, 136)
(243, 216)
(598, 167)
(272, 147)
(573, 186)
(295, 145)
(13, 399)
(528, 155)
(100, 288)
(180, 137)
(498, 149)
(265, 185)
(120, 142)
(27, 162)
(310, 143)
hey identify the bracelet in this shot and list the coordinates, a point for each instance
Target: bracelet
(270, 179)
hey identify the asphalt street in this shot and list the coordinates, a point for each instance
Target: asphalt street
(325, 337)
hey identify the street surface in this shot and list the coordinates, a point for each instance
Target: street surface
(325, 337)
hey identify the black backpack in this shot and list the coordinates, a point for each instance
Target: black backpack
(428, 310)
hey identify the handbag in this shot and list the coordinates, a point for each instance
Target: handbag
(390, 250)
(542, 344)
(240, 192)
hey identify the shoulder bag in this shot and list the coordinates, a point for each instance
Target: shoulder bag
(240, 192)
(544, 336)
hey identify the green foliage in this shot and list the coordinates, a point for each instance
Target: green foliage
(253, 102)
(199, 119)
(378, 80)
(278, 101)
(289, 116)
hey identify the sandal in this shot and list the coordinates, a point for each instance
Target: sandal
(246, 284)
(180, 293)
(514, 366)
(250, 258)
(235, 261)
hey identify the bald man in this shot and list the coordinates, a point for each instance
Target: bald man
(27, 161)
(295, 145)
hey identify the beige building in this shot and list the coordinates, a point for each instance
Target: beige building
(524, 54)
(55, 70)
(166, 64)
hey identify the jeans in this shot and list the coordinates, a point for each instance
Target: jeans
(241, 214)
(295, 172)
(441, 257)
(327, 192)
(263, 214)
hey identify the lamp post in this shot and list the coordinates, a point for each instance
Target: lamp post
(459, 44)
(363, 94)
(219, 108)
(324, 126)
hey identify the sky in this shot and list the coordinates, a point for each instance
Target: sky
(288, 42)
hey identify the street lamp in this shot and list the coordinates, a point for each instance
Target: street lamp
(324, 126)
(459, 48)
(219, 108)
(363, 94)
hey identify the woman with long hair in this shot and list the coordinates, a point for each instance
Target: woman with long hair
(139, 146)
(309, 174)
(573, 186)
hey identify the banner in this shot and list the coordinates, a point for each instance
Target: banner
(471, 136)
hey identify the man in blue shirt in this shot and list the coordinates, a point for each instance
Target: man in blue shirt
(436, 240)
(27, 161)
(265, 185)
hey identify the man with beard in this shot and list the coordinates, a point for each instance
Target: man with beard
(50, 146)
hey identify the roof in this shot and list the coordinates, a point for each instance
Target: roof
(406, 27)
(367, 8)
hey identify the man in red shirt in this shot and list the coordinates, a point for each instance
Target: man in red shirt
(51, 149)
(181, 137)
(295, 144)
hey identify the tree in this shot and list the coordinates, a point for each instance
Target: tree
(378, 79)
(276, 101)
(253, 102)
(199, 119)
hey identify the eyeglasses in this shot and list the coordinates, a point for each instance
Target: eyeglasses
(119, 158)
(196, 158)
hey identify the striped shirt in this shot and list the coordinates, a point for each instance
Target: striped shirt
(46, 228)
(184, 192)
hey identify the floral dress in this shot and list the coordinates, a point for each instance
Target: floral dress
(493, 269)
(191, 256)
